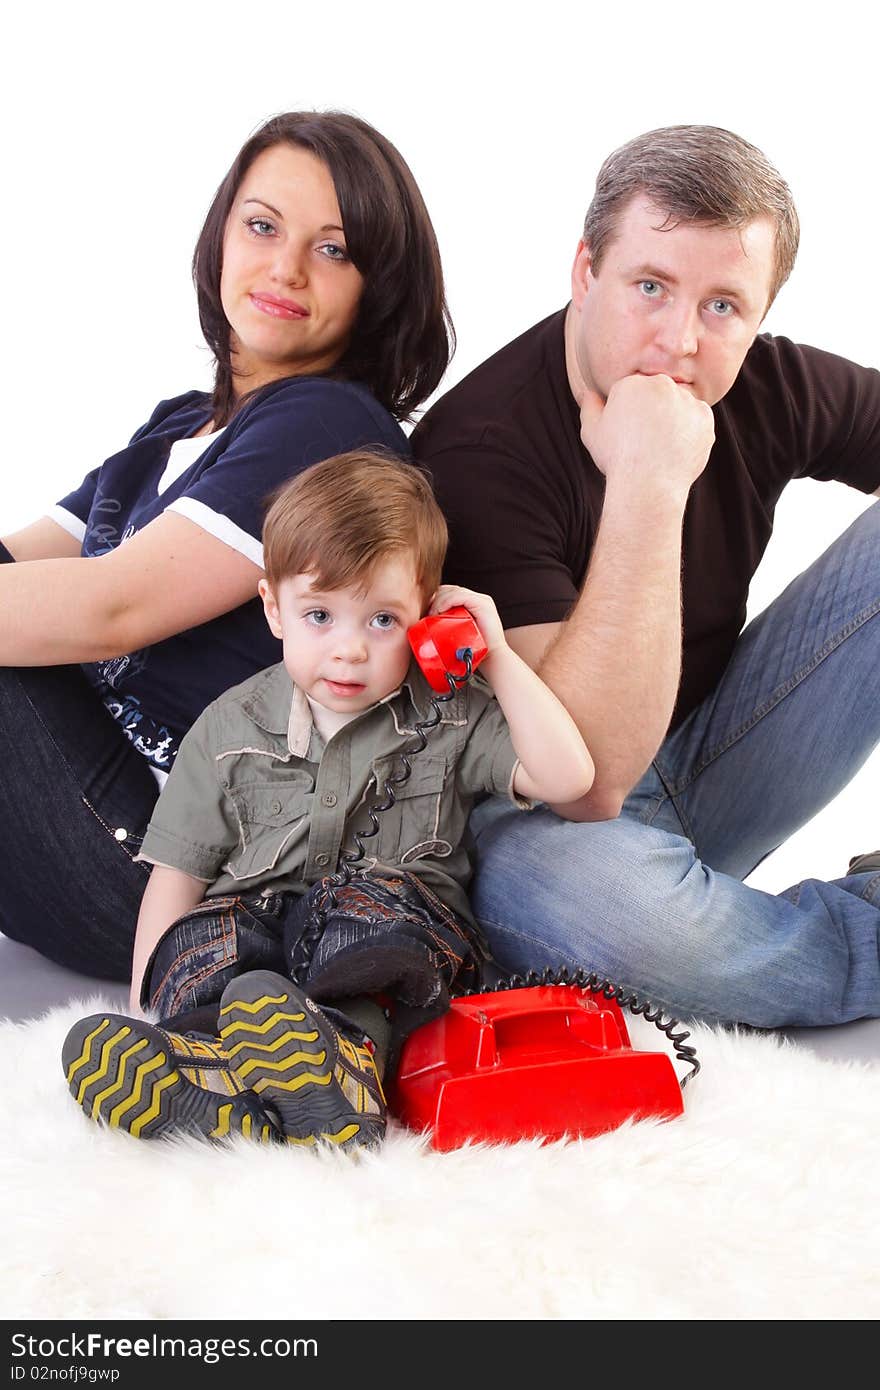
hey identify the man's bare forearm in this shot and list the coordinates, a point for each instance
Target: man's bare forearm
(616, 662)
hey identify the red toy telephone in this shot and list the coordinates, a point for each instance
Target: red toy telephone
(542, 1061)
(534, 1057)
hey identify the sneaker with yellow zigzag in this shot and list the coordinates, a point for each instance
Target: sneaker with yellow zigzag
(322, 1085)
(130, 1075)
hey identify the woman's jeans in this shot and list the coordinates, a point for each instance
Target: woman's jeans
(654, 900)
(77, 800)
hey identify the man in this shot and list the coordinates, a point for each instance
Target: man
(610, 478)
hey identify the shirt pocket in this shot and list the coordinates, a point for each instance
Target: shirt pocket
(414, 826)
(272, 817)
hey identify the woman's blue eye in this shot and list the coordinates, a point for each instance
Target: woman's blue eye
(333, 252)
(649, 288)
(384, 621)
(319, 617)
(260, 225)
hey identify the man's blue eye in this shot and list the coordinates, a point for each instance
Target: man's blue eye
(649, 288)
(722, 307)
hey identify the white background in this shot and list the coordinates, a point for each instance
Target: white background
(119, 122)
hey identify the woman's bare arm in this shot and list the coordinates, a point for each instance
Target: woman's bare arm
(168, 577)
(42, 540)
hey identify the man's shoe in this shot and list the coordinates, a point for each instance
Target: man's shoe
(321, 1084)
(865, 863)
(132, 1076)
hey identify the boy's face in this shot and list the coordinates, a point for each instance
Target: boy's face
(347, 648)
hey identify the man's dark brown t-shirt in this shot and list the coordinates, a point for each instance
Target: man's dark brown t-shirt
(523, 497)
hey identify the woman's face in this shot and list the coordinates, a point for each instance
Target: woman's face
(287, 287)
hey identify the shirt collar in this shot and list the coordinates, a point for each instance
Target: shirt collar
(268, 701)
(300, 724)
(412, 694)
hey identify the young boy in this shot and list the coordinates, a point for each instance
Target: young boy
(270, 789)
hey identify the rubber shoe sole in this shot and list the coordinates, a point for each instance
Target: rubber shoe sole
(125, 1074)
(322, 1087)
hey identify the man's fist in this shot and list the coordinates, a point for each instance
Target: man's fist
(650, 428)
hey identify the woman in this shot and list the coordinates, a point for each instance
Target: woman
(321, 296)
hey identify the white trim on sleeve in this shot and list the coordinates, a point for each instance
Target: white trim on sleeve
(220, 526)
(72, 524)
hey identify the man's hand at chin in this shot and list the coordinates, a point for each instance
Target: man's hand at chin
(649, 428)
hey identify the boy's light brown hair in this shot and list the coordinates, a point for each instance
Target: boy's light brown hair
(340, 518)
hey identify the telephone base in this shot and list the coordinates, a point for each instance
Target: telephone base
(548, 1062)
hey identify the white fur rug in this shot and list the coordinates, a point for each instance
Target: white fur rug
(760, 1203)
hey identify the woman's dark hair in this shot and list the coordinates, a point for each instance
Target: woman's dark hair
(403, 336)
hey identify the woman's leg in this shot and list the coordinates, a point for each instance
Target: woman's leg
(77, 800)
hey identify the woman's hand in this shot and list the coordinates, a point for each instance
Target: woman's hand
(481, 608)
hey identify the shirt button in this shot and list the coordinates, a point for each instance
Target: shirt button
(120, 834)
(276, 808)
(322, 859)
(329, 798)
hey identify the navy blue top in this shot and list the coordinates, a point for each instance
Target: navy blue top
(157, 693)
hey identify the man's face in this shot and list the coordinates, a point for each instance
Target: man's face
(685, 302)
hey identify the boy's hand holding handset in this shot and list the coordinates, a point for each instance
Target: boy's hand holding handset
(481, 608)
(554, 763)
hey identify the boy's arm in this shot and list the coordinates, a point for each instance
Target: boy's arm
(189, 834)
(170, 893)
(554, 763)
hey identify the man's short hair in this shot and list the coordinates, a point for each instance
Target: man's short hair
(695, 173)
(340, 518)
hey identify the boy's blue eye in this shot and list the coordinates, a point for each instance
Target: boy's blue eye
(319, 617)
(384, 621)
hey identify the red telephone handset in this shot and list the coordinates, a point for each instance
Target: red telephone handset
(439, 642)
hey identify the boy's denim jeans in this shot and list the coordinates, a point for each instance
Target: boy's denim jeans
(655, 900)
(389, 937)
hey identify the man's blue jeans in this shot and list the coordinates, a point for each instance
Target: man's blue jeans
(654, 899)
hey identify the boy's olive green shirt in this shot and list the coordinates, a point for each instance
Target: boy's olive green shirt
(256, 801)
